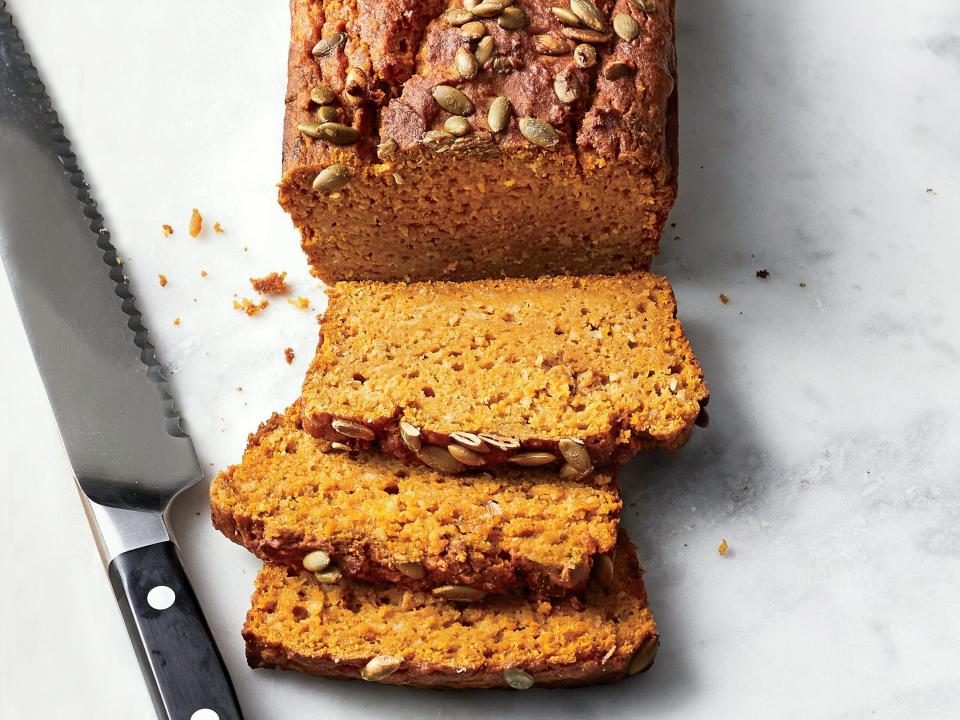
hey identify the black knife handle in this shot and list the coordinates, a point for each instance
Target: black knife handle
(184, 671)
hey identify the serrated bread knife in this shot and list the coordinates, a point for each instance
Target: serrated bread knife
(105, 385)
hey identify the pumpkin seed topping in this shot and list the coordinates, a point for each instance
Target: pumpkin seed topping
(452, 100)
(332, 178)
(550, 45)
(457, 125)
(487, 9)
(518, 679)
(352, 429)
(575, 453)
(617, 70)
(533, 458)
(626, 26)
(465, 63)
(316, 561)
(439, 458)
(461, 593)
(328, 44)
(327, 113)
(589, 14)
(567, 17)
(585, 56)
(470, 440)
(539, 133)
(498, 118)
(380, 667)
(330, 576)
(484, 50)
(458, 16)
(410, 434)
(387, 149)
(503, 442)
(337, 133)
(569, 472)
(648, 6)
(473, 30)
(437, 140)
(465, 456)
(323, 95)
(513, 18)
(413, 570)
(566, 87)
(585, 35)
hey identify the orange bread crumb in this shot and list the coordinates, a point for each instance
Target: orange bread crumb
(176, 321)
(196, 223)
(167, 230)
(289, 355)
(163, 279)
(300, 302)
(249, 307)
(217, 227)
(723, 547)
(272, 284)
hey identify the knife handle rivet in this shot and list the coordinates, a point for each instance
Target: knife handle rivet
(205, 714)
(160, 598)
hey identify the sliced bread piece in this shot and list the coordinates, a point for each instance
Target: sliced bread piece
(381, 520)
(388, 634)
(559, 372)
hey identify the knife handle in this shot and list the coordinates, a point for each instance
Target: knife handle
(179, 658)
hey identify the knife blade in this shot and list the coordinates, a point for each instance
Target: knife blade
(116, 416)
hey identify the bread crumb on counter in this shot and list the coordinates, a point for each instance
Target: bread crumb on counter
(176, 321)
(196, 223)
(163, 279)
(763, 274)
(249, 306)
(300, 302)
(724, 298)
(289, 355)
(272, 284)
(217, 227)
(722, 550)
(803, 284)
(203, 273)
(167, 230)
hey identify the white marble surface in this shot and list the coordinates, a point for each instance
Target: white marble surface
(811, 133)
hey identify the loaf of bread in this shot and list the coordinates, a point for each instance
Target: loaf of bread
(563, 373)
(387, 634)
(426, 141)
(374, 518)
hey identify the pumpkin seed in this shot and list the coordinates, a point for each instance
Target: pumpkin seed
(465, 456)
(460, 593)
(355, 85)
(340, 447)
(457, 125)
(465, 63)
(386, 149)
(608, 655)
(550, 45)
(575, 453)
(310, 129)
(484, 50)
(569, 472)
(539, 133)
(327, 113)
(585, 56)
(470, 440)
(331, 178)
(503, 442)
(452, 100)
(439, 458)
(588, 13)
(470, 4)
(603, 569)
(316, 561)
(503, 65)
(328, 44)
(648, 6)
(566, 16)
(575, 574)
(323, 95)
(533, 458)
(585, 35)
(617, 70)
(513, 18)
(337, 133)
(331, 576)
(413, 570)
(437, 140)
(380, 667)
(458, 16)
(487, 9)
(518, 679)
(643, 658)
(473, 30)
(352, 429)
(410, 434)
(566, 87)
(498, 118)
(626, 26)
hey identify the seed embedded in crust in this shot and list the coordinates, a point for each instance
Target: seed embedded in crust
(470, 440)
(466, 64)
(352, 429)
(452, 100)
(328, 44)
(460, 593)
(533, 458)
(457, 125)
(617, 70)
(585, 56)
(487, 9)
(538, 132)
(566, 87)
(498, 117)
(485, 50)
(569, 472)
(502, 442)
(513, 18)
(337, 133)
(327, 113)
(643, 658)
(323, 95)
(465, 456)
(587, 36)
(410, 434)
(330, 576)
(567, 17)
(550, 45)
(331, 178)
(439, 458)
(575, 452)
(316, 561)
(608, 655)
(458, 16)
(473, 30)
(648, 6)
(413, 570)
(626, 26)
(603, 569)
(387, 149)
(437, 140)
(518, 679)
(380, 667)
(340, 447)
(589, 14)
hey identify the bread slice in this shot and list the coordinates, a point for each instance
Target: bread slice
(392, 635)
(380, 520)
(560, 372)
(576, 176)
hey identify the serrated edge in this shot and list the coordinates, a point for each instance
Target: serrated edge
(68, 159)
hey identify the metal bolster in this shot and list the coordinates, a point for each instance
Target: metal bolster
(118, 531)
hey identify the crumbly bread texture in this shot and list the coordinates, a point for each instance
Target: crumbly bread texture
(381, 520)
(414, 638)
(559, 372)
(579, 179)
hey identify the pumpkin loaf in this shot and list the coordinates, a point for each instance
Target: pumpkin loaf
(426, 141)
(392, 635)
(561, 373)
(377, 519)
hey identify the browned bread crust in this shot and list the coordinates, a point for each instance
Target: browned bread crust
(336, 631)
(487, 204)
(381, 521)
(593, 366)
